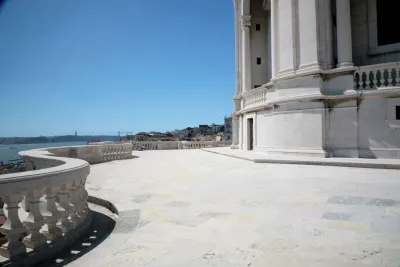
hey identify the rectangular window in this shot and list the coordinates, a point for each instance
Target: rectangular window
(258, 61)
(397, 112)
(387, 21)
(258, 27)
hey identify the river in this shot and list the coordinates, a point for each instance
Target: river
(10, 152)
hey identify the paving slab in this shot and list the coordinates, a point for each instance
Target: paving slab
(259, 157)
(195, 208)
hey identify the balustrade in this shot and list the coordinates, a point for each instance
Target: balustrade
(377, 76)
(158, 145)
(204, 144)
(95, 153)
(56, 204)
(256, 97)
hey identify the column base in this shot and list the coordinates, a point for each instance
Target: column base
(234, 147)
(345, 64)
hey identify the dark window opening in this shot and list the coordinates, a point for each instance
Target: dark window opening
(258, 27)
(258, 61)
(397, 112)
(256, 86)
(387, 22)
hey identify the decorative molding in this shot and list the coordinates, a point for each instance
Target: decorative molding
(246, 22)
(266, 5)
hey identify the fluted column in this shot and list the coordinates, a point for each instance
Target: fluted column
(246, 53)
(235, 132)
(273, 39)
(329, 37)
(344, 44)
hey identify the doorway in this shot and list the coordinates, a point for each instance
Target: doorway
(250, 134)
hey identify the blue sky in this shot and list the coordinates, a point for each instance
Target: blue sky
(100, 66)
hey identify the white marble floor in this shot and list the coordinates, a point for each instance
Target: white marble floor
(194, 208)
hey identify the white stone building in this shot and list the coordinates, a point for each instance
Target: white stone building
(215, 128)
(317, 77)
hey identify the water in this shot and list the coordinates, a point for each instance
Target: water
(10, 152)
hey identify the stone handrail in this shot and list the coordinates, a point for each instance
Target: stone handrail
(204, 144)
(376, 76)
(155, 145)
(167, 145)
(54, 199)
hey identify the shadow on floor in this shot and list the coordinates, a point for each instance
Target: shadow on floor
(101, 228)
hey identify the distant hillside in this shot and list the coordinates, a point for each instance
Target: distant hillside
(55, 139)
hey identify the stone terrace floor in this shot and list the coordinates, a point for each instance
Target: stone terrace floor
(193, 208)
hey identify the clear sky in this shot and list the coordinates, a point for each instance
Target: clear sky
(101, 66)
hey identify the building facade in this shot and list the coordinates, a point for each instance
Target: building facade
(317, 79)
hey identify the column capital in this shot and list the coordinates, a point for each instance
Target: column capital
(246, 22)
(234, 116)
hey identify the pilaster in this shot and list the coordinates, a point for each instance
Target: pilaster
(344, 43)
(246, 52)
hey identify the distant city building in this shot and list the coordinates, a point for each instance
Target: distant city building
(228, 129)
(215, 128)
(204, 128)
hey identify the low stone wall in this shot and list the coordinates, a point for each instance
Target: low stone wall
(168, 145)
(54, 207)
(96, 153)
(155, 145)
(53, 200)
(204, 144)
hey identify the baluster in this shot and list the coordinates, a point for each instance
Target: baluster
(34, 221)
(51, 214)
(12, 229)
(371, 79)
(80, 198)
(393, 77)
(65, 208)
(364, 80)
(397, 77)
(84, 197)
(73, 199)
(379, 79)
(386, 78)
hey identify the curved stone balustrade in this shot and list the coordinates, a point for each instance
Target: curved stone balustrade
(55, 201)
(255, 97)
